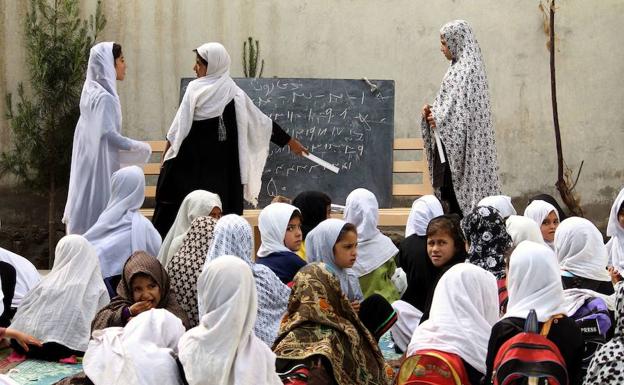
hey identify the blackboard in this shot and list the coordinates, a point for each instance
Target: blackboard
(341, 121)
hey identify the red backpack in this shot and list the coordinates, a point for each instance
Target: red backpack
(432, 367)
(530, 357)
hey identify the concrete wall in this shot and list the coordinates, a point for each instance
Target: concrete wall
(391, 40)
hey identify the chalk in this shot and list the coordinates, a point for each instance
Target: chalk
(321, 162)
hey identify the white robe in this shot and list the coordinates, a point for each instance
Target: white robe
(222, 349)
(122, 229)
(27, 275)
(61, 307)
(141, 353)
(97, 143)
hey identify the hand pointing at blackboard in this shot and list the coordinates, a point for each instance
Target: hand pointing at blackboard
(296, 147)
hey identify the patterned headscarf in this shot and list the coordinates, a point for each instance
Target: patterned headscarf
(320, 321)
(607, 365)
(233, 236)
(187, 263)
(485, 230)
(463, 120)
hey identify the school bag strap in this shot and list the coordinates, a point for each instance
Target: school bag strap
(548, 324)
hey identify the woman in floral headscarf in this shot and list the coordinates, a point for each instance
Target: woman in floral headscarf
(457, 130)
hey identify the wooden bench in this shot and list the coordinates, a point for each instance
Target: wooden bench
(387, 217)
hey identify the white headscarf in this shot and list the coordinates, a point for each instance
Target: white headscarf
(374, 248)
(222, 349)
(463, 119)
(424, 209)
(538, 211)
(320, 248)
(27, 276)
(521, 228)
(534, 282)
(502, 203)
(579, 248)
(139, 354)
(408, 319)
(61, 307)
(615, 246)
(272, 222)
(233, 236)
(467, 296)
(97, 143)
(206, 98)
(196, 204)
(122, 229)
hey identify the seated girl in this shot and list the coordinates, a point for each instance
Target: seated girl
(547, 218)
(533, 283)
(223, 348)
(121, 229)
(280, 231)
(375, 264)
(463, 311)
(186, 264)
(315, 207)
(142, 352)
(334, 242)
(233, 236)
(59, 310)
(26, 275)
(144, 285)
(521, 228)
(582, 256)
(196, 204)
(322, 332)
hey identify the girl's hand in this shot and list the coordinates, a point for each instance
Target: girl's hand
(615, 275)
(139, 307)
(22, 338)
(356, 306)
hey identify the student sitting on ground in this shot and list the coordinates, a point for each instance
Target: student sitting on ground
(280, 231)
(26, 276)
(121, 229)
(463, 311)
(233, 236)
(533, 282)
(375, 264)
(521, 228)
(144, 285)
(196, 204)
(59, 310)
(323, 333)
(223, 348)
(547, 218)
(315, 207)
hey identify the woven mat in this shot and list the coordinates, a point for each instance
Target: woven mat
(36, 372)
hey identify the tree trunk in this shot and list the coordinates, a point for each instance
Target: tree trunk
(562, 185)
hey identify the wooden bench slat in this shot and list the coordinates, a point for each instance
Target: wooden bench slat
(403, 166)
(157, 145)
(150, 191)
(151, 169)
(408, 144)
(411, 189)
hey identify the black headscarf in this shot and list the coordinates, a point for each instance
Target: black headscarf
(552, 201)
(377, 315)
(313, 207)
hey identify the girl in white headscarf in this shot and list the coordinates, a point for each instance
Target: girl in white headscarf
(223, 349)
(98, 142)
(218, 141)
(464, 309)
(121, 229)
(423, 210)
(547, 218)
(615, 230)
(198, 203)
(334, 242)
(27, 276)
(521, 228)
(375, 264)
(457, 130)
(280, 231)
(142, 352)
(502, 203)
(233, 236)
(59, 310)
(582, 256)
(533, 283)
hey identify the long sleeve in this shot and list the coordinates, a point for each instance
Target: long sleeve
(279, 136)
(111, 315)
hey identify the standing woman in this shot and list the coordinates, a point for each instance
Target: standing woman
(98, 140)
(218, 141)
(457, 129)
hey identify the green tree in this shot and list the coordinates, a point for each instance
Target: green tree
(42, 123)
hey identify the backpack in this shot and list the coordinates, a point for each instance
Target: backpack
(432, 367)
(594, 321)
(530, 358)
